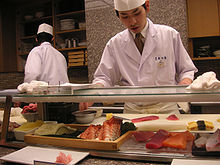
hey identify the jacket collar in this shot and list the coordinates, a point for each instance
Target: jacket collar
(131, 49)
(143, 32)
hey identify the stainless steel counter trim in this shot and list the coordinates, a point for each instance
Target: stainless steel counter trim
(136, 156)
(205, 103)
(137, 98)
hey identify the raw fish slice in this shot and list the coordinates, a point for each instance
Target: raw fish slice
(106, 131)
(147, 118)
(111, 129)
(93, 132)
(189, 135)
(143, 135)
(114, 131)
(100, 134)
(176, 141)
(98, 128)
(117, 131)
(201, 142)
(86, 132)
(172, 117)
(187, 151)
(116, 128)
(157, 140)
(213, 143)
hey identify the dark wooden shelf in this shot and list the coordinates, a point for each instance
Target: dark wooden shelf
(70, 13)
(205, 58)
(73, 48)
(24, 54)
(27, 37)
(70, 31)
(53, 17)
(37, 19)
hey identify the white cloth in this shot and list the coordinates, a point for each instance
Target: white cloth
(45, 63)
(207, 81)
(28, 87)
(164, 60)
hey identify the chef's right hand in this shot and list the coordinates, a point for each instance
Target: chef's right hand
(84, 106)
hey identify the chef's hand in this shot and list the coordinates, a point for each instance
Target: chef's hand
(185, 81)
(84, 106)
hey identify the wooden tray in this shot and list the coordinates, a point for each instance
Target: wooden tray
(77, 143)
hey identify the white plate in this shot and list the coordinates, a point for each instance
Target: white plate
(28, 154)
(193, 162)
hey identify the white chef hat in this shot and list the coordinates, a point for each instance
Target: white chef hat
(45, 28)
(124, 5)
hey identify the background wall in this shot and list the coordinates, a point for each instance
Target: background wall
(10, 80)
(7, 38)
(102, 24)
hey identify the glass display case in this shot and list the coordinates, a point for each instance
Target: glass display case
(122, 94)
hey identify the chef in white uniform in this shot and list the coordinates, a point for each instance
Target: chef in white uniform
(163, 61)
(44, 62)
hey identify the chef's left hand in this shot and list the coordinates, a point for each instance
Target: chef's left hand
(185, 81)
(84, 105)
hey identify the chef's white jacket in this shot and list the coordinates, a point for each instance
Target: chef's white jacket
(45, 63)
(164, 60)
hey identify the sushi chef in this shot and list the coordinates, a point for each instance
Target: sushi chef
(44, 62)
(144, 54)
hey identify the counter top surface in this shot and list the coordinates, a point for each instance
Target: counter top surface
(96, 159)
(88, 160)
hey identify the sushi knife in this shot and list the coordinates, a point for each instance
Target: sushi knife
(122, 118)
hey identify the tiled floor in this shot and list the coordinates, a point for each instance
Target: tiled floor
(5, 151)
